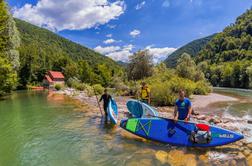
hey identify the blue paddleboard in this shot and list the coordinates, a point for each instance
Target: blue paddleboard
(179, 133)
(113, 111)
(139, 109)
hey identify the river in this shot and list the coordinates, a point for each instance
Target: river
(37, 128)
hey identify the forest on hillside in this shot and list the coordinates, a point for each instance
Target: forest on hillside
(42, 50)
(227, 58)
(192, 48)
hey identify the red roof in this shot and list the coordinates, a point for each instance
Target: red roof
(56, 74)
(48, 79)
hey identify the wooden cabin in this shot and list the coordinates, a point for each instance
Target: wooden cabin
(52, 78)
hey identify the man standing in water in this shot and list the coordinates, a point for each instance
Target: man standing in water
(183, 107)
(145, 93)
(106, 98)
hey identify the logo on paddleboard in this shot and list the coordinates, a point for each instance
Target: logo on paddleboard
(222, 135)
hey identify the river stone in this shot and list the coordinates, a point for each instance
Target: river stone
(133, 163)
(231, 146)
(162, 156)
(233, 163)
(201, 117)
(240, 156)
(249, 160)
(250, 146)
(239, 143)
(145, 151)
(203, 159)
(214, 120)
(107, 137)
(246, 152)
(179, 158)
(145, 162)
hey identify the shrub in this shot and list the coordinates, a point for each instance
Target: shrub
(202, 87)
(165, 93)
(98, 89)
(57, 87)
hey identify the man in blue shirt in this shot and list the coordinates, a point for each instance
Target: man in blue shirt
(183, 107)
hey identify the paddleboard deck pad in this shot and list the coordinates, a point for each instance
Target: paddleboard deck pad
(180, 133)
(139, 109)
(113, 111)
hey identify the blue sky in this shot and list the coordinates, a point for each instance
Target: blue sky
(117, 28)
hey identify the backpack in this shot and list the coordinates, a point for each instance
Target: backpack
(201, 134)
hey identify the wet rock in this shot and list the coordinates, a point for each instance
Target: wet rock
(240, 156)
(250, 146)
(204, 159)
(145, 151)
(133, 163)
(246, 152)
(195, 112)
(178, 158)
(225, 121)
(201, 117)
(249, 160)
(145, 162)
(250, 121)
(233, 163)
(214, 120)
(231, 147)
(162, 156)
(239, 143)
(107, 137)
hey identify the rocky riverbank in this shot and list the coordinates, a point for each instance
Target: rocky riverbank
(238, 153)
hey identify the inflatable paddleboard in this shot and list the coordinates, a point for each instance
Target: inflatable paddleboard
(179, 133)
(139, 109)
(113, 111)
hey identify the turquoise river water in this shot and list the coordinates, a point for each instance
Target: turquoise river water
(38, 129)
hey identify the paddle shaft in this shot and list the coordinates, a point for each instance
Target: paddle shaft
(98, 102)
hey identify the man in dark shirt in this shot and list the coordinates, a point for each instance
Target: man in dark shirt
(106, 98)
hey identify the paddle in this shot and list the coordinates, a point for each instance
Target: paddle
(97, 101)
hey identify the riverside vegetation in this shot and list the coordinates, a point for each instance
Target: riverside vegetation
(41, 50)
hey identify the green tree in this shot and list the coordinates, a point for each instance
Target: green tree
(105, 74)
(186, 68)
(8, 77)
(9, 36)
(140, 66)
(249, 73)
(9, 56)
(70, 71)
(86, 73)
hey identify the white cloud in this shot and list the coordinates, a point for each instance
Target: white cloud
(160, 54)
(140, 5)
(135, 33)
(111, 26)
(166, 3)
(59, 15)
(116, 53)
(109, 35)
(109, 41)
(106, 50)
